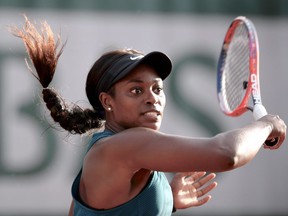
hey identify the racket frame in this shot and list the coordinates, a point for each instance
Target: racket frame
(253, 86)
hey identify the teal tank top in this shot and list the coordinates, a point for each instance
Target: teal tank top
(155, 199)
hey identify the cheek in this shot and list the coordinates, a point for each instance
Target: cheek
(163, 100)
(124, 105)
(126, 111)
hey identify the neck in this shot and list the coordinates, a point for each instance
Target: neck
(108, 127)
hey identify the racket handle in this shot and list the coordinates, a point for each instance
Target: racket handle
(258, 112)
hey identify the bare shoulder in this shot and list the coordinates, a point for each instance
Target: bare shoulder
(132, 139)
(123, 143)
(139, 132)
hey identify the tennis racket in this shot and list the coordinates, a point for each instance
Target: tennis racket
(238, 86)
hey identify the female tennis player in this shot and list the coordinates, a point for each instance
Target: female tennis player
(123, 170)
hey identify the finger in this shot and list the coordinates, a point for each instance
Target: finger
(207, 178)
(194, 176)
(201, 201)
(198, 175)
(281, 140)
(203, 191)
(201, 181)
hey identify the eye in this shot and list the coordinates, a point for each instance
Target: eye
(158, 89)
(136, 90)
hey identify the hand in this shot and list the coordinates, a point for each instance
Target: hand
(190, 189)
(278, 130)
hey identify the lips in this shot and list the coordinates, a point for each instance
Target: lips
(152, 114)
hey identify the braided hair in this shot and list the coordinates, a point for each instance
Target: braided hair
(44, 53)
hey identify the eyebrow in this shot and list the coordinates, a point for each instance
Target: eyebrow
(141, 81)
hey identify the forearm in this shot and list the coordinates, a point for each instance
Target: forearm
(244, 143)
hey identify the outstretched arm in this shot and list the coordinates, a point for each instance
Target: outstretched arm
(225, 151)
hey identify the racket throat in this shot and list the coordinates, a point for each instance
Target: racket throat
(250, 108)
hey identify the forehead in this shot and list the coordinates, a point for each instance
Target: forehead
(143, 72)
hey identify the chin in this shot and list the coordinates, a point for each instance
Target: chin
(153, 126)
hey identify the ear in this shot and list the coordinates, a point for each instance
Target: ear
(105, 100)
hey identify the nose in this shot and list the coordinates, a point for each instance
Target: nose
(151, 98)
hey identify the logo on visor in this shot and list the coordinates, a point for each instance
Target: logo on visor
(133, 58)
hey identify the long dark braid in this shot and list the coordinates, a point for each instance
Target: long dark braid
(44, 54)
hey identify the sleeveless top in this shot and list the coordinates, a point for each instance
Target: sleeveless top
(155, 199)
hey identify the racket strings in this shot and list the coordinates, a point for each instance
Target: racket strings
(236, 70)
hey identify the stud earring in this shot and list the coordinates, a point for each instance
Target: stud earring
(109, 109)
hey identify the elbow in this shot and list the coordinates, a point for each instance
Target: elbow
(234, 161)
(237, 160)
(232, 155)
(229, 160)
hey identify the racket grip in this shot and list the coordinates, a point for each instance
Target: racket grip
(258, 112)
